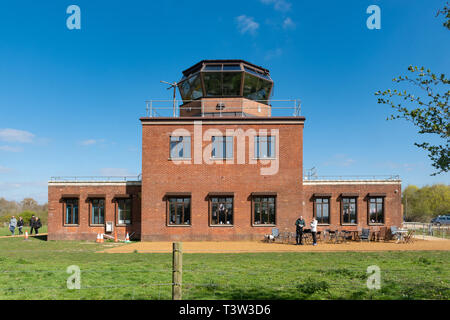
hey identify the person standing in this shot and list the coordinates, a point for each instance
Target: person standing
(32, 224)
(12, 225)
(20, 225)
(37, 224)
(299, 224)
(314, 230)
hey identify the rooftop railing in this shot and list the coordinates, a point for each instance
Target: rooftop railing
(351, 177)
(96, 179)
(171, 108)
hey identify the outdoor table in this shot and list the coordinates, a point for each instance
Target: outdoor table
(354, 234)
(401, 235)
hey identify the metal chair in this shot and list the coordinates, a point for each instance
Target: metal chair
(365, 235)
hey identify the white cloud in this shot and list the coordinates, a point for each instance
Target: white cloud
(5, 170)
(247, 24)
(14, 135)
(90, 142)
(11, 149)
(114, 172)
(340, 160)
(279, 5)
(273, 54)
(288, 23)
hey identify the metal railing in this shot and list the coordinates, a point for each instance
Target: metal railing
(96, 178)
(171, 108)
(424, 229)
(352, 177)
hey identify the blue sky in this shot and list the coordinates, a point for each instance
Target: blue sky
(70, 100)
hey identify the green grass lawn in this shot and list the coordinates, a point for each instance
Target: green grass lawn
(36, 269)
(4, 231)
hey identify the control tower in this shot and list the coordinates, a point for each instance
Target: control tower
(229, 88)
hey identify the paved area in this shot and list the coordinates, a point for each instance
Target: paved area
(257, 246)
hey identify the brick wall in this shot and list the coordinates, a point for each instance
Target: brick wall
(390, 189)
(84, 231)
(161, 175)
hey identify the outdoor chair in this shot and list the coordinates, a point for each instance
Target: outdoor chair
(365, 235)
(333, 236)
(307, 236)
(382, 234)
(409, 237)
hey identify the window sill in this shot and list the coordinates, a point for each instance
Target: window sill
(179, 225)
(221, 225)
(275, 158)
(376, 224)
(349, 224)
(96, 225)
(323, 224)
(221, 159)
(71, 225)
(264, 225)
(179, 159)
(123, 224)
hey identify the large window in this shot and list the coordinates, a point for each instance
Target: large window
(179, 211)
(180, 147)
(322, 210)
(97, 211)
(191, 88)
(264, 210)
(265, 147)
(71, 211)
(376, 210)
(222, 147)
(124, 211)
(221, 210)
(349, 210)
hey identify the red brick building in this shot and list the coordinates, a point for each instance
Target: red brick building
(226, 165)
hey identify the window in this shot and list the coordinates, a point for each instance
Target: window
(222, 147)
(179, 211)
(349, 209)
(376, 210)
(264, 210)
(124, 211)
(265, 147)
(221, 209)
(322, 210)
(71, 211)
(97, 211)
(180, 147)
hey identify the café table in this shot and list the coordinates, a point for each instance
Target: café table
(401, 235)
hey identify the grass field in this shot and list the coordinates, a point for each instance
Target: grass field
(36, 269)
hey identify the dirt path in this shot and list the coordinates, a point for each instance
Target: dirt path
(256, 246)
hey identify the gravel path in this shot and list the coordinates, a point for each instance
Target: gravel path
(256, 246)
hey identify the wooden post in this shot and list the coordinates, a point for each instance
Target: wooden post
(177, 270)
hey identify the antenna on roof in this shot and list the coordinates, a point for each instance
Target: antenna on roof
(174, 86)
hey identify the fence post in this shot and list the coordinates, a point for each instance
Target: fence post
(177, 270)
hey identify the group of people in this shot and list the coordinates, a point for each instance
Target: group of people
(300, 224)
(35, 224)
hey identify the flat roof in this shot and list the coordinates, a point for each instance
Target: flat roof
(200, 63)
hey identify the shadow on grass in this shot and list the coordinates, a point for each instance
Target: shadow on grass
(41, 237)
